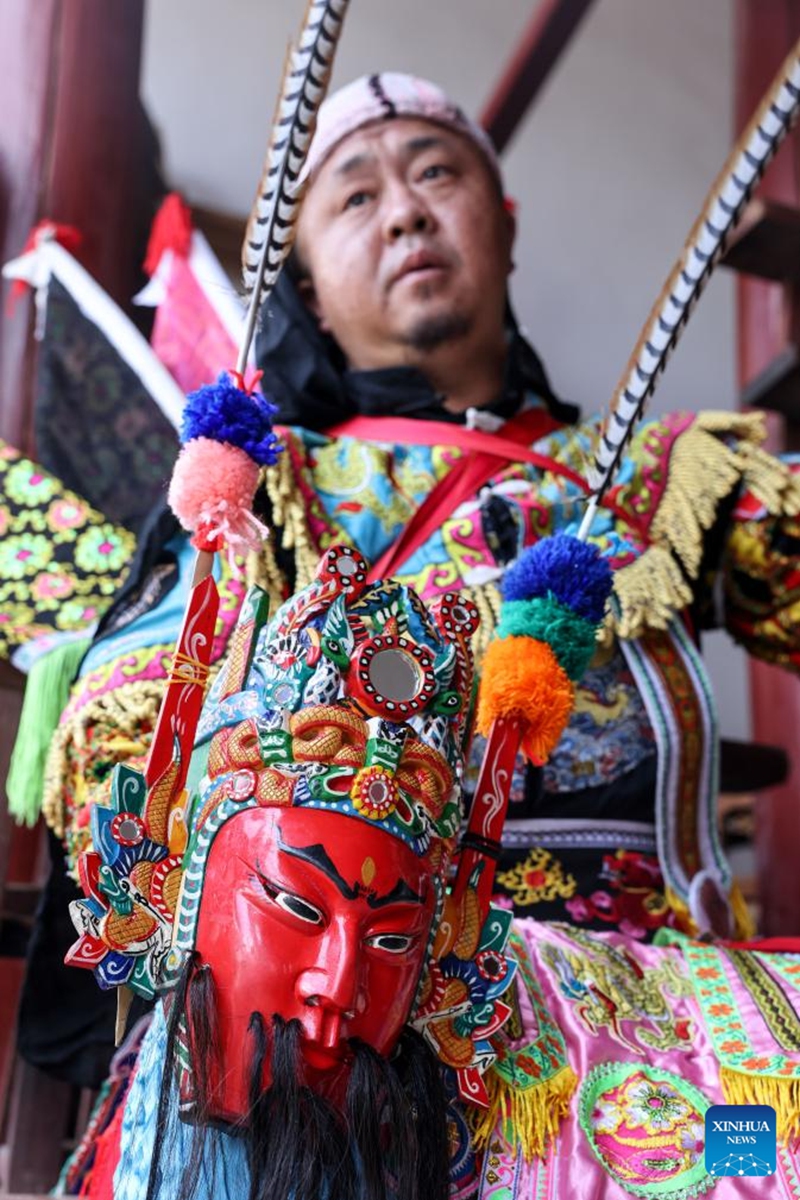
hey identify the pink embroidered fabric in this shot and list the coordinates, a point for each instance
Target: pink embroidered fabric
(646, 1032)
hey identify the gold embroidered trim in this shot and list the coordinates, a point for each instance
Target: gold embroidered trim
(125, 711)
(486, 599)
(703, 471)
(290, 517)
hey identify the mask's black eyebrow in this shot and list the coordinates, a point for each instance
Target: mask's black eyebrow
(318, 856)
(401, 893)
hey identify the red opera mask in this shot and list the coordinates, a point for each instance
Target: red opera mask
(313, 916)
(303, 855)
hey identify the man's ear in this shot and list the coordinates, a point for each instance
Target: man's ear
(308, 294)
(510, 218)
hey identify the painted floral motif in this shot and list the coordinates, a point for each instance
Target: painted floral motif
(646, 1128)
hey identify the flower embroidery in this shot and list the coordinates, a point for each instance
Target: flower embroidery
(756, 1063)
(693, 1140)
(657, 1107)
(67, 514)
(74, 614)
(539, 877)
(733, 1046)
(21, 556)
(52, 586)
(607, 1116)
(24, 484)
(102, 548)
(708, 972)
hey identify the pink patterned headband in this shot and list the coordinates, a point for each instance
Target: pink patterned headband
(382, 97)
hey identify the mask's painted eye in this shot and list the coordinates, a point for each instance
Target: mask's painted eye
(392, 943)
(299, 908)
(296, 906)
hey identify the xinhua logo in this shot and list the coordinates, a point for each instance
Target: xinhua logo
(740, 1139)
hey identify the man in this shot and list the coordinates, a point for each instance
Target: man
(399, 280)
(396, 307)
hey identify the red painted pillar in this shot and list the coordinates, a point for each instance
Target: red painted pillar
(768, 325)
(72, 148)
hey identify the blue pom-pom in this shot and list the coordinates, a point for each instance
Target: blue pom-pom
(223, 412)
(571, 571)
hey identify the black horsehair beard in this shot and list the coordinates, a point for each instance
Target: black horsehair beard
(389, 1143)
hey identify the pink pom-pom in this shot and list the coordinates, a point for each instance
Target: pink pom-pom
(212, 489)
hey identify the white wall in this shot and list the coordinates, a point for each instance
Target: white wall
(609, 169)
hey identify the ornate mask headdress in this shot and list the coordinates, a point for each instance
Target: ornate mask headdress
(348, 711)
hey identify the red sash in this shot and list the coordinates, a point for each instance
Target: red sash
(485, 454)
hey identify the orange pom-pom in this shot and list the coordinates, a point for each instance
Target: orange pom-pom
(522, 681)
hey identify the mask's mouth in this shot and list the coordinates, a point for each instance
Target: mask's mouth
(325, 1058)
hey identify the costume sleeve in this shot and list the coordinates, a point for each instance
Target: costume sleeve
(61, 561)
(761, 562)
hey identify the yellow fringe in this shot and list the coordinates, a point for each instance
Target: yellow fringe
(703, 470)
(531, 1116)
(289, 514)
(686, 922)
(650, 592)
(782, 1094)
(744, 927)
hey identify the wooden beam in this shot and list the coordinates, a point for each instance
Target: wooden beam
(542, 44)
(766, 242)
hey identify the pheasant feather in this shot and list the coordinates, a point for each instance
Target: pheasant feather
(271, 227)
(705, 245)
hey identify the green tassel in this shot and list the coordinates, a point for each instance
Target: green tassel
(571, 637)
(46, 694)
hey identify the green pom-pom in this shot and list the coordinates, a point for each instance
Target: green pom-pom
(571, 638)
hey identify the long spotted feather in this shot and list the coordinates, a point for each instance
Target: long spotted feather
(271, 226)
(705, 245)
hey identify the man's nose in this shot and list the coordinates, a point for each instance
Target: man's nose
(333, 980)
(405, 213)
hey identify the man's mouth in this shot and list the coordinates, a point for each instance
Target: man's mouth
(418, 264)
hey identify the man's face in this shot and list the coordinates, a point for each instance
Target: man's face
(315, 916)
(407, 244)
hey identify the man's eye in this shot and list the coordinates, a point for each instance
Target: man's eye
(435, 171)
(392, 943)
(356, 199)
